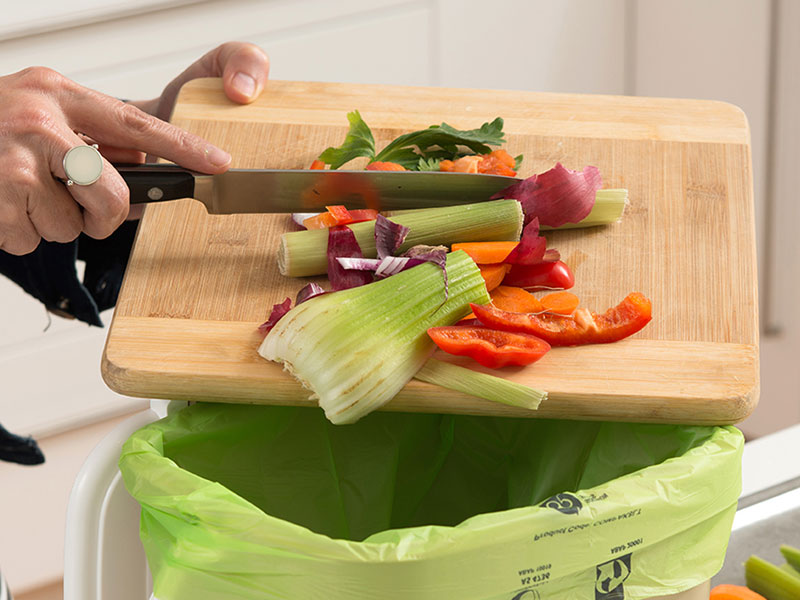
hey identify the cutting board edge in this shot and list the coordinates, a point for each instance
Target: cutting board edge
(669, 132)
(647, 410)
(128, 377)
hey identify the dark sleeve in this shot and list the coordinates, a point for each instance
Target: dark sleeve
(49, 274)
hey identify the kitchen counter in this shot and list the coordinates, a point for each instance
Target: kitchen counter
(769, 507)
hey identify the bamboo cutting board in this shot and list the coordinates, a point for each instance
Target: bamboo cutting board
(198, 286)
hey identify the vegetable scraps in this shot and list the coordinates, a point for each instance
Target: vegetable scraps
(378, 329)
(355, 349)
(727, 591)
(771, 581)
(490, 348)
(558, 196)
(584, 327)
(424, 150)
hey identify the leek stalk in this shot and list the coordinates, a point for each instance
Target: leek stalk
(304, 253)
(355, 349)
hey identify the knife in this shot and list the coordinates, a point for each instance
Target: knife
(286, 191)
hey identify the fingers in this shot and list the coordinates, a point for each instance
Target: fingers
(53, 212)
(104, 203)
(114, 123)
(33, 205)
(17, 234)
(245, 68)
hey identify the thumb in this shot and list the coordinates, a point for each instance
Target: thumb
(245, 71)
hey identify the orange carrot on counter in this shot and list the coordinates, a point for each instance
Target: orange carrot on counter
(727, 591)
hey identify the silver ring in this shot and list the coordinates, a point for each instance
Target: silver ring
(83, 165)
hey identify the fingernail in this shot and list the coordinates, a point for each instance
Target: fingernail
(217, 157)
(244, 84)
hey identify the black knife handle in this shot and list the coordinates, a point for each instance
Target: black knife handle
(156, 182)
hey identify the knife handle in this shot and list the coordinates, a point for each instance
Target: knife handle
(156, 182)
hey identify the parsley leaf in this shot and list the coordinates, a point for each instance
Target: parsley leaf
(428, 164)
(518, 161)
(359, 142)
(416, 151)
(443, 137)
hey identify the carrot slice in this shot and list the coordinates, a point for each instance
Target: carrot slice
(466, 164)
(385, 166)
(562, 303)
(727, 591)
(514, 299)
(492, 166)
(317, 164)
(493, 274)
(486, 253)
(504, 157)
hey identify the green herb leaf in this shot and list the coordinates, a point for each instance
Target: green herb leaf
(359, 142)
(445, 138)
(406, 157)
(518, 161)
(428, 164)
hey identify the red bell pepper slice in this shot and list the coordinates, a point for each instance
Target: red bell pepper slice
(490, 348)
(541, 276)
(363, 214)
(340, 213)
(584, 327)
(336, 215)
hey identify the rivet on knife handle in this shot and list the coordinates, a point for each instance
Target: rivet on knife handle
(157, 182)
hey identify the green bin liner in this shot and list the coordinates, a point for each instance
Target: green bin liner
(260, 502)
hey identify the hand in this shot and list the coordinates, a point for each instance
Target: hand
(244, 69)
(40, 115)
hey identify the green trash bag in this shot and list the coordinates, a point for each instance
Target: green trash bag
(260, 503)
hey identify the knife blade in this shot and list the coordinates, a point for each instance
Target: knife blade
(286, 191)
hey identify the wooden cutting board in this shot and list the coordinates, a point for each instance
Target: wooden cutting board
(198, 286)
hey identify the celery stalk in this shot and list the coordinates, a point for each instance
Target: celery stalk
(355, 349)
(304, 253)
(479, 384)
(787, 568)
(770, 581)
(609, 205)
(792, 556)
(608, 208)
